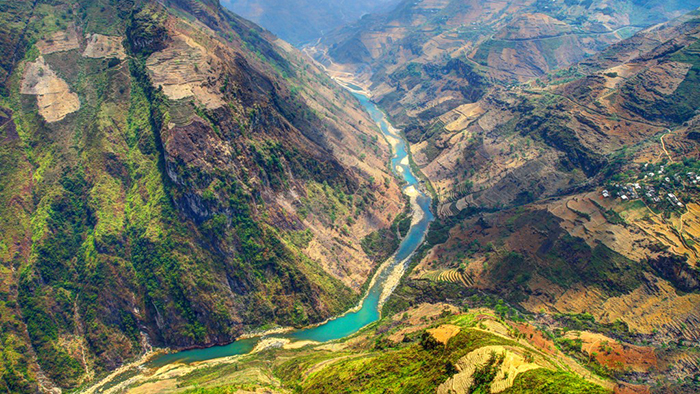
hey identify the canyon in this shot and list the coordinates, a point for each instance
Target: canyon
(422, 196)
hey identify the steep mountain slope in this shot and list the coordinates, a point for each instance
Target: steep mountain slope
(171, 175)
(425, 58)
(533, 279)
(521, 176)
(554, 135)
(305, 21)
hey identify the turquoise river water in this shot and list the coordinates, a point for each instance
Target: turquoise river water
(368, 312)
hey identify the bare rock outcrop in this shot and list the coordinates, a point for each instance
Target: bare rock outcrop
(54, 97)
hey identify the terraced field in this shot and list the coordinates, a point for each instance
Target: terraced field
(451, 276)
(433, 347)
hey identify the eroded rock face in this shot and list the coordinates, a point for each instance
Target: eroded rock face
(54, 97)
(101, 46)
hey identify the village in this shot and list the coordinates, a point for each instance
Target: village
(666, 187)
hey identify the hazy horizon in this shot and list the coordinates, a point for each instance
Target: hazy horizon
(283, 18)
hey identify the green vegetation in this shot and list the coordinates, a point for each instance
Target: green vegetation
(418, 367)
(545, 122)
(612, 216)
(677, 107)
(563, 260)
(601, 266)
(484, 374)
(586, 322)
(381, 244)
(13, 17)
(567, 260)
(147, 33)
(374, 363)
(549, 382)
(108, 234)
(580, 214)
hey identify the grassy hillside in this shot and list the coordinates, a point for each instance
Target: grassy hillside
(172, 175)
(429, 348)
(520, 172)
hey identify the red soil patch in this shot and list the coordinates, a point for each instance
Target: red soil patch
(536, 337)
(616, 355)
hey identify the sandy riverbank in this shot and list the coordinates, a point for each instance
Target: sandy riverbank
(400, 269)
(135, 365)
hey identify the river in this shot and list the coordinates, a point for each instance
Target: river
(383, 282)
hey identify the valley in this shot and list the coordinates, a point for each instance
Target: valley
(319, 17)
(365, 313)
(421, 196)
(166, 185)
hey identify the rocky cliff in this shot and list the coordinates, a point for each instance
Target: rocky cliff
(171, 175)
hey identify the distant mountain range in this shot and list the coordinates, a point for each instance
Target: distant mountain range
(305, 21)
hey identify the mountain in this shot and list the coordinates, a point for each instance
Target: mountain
(538, 276)
(305, 21)
(171, 175)
(556, 134)
(492, 33)
(573, 197)
(519, 157)
(426, 57)
(442, 72)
